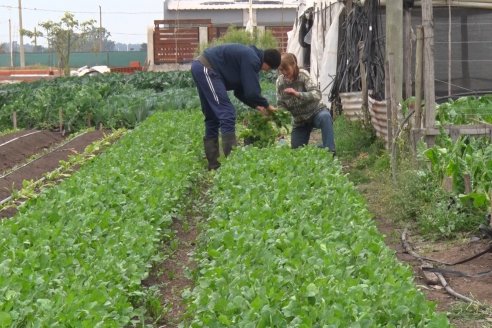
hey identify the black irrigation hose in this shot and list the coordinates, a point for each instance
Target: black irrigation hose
(362, 23)
(374, 49)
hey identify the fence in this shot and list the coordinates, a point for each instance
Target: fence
(78, 59)
(178, 41)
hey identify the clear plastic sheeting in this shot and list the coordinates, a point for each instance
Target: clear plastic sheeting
(328, 67)
(293, 45)
(323, 42)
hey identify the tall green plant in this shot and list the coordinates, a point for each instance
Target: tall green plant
(261, 39)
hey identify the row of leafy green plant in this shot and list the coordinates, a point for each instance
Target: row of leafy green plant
(76, 254)
(290, 243)
(460, 169)
(466, 166)
(113, 100)
(466, 110)
(110, 100)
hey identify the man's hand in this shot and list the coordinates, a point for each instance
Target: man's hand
(266, 110)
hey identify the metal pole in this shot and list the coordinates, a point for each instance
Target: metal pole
(21, 38)
(10, 43)
(100, 30)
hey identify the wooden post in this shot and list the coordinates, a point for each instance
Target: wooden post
(418, 77)
(407, 52)
(429, 74)
(387, 91)
(417, 131)
(394, 115)
(14, 120)
(467, 181)
(490, 214)
(447, 183)
(363, 77)
(60, 120)
(394, 44)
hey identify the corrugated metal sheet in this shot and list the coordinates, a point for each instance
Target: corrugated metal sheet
(228, 5)
(352, 105)
(379, 118)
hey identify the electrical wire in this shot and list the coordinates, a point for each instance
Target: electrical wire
(85, 12)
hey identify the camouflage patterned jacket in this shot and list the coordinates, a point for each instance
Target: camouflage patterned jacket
(309, 102)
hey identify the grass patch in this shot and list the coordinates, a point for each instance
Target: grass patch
(415, 198)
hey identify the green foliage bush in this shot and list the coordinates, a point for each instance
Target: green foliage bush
(353, 137)
(466, 110)
(420, 198)
(262, 40)
(113, 100)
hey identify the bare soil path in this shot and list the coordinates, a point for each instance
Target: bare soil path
(461, 314)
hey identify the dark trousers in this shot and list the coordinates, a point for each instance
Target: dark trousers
(216, 106)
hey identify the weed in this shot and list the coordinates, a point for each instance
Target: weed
(353, 138)
(470, 311)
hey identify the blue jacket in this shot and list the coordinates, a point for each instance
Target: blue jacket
(239, 66)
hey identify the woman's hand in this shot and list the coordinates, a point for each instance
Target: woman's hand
(292, 92)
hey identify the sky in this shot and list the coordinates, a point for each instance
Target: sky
(126, 20)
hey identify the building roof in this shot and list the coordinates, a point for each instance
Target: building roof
(230, 4)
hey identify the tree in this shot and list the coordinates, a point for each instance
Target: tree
(261, 39)
(4, 48)
(64, 36)
(143, 47)
(92, 41)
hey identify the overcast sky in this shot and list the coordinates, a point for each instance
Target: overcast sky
(126, 20)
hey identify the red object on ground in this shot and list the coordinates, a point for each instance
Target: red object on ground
(27, 74)
(126, 70)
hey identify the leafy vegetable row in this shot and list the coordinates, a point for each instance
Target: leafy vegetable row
(76, 255)
(466, 110)
(466, 156)
(113, 100)
(290, 243)
(91, 100)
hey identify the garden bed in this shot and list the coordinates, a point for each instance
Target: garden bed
(28, 155)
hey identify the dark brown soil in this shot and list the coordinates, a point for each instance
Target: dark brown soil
(475, 288)
(16, 152)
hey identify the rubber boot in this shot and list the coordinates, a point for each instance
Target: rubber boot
(212, 152)
(228, 142)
